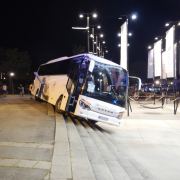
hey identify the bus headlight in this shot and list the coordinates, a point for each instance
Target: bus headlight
(120, 115)
(84, 106)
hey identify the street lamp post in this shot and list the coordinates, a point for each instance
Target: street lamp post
(99, 49)
(93, 36)
(88, 31)
(96, 45)
(93, 39)
(81, 16)
(11, 74)
(101, 36)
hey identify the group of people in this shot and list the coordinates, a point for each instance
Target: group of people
(21, 90)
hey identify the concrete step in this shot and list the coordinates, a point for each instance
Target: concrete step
(99, 167)
(50, 110)
(132, 167)
(81, 168)
(104, 147)
(61, 166)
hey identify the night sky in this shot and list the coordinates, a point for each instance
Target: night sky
(44, 28)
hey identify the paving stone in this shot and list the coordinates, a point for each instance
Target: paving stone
(26, 163)
(58, 172)
(16, 144)
(46, 146)
(17, 173)
(47, 177)
(8, 162)
(26, 153)
(32, 145)
(43, 165)
(5, 143)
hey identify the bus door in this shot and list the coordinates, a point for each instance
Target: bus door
(74, 85)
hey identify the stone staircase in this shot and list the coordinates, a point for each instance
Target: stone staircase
(95, 154)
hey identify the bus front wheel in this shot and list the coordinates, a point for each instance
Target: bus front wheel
(58, 105)
(92, 121)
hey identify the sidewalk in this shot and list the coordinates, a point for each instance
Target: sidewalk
(37, 144)
(26, 138)
(153, 137)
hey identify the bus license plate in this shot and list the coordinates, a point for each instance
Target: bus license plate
(103, 118)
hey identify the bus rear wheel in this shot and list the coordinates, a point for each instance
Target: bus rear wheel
(36, 95)
(58, 105)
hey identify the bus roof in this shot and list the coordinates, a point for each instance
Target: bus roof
(95, 58)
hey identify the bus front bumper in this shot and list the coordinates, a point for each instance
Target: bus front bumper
(97, 117)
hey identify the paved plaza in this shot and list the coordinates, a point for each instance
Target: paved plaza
(152, 136)
(36, 143)
(26, 138)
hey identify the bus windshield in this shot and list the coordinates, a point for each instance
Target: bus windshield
(107, 83)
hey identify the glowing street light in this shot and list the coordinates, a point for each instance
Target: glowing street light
(119, 45)
(82, 28)
(130, 34)
(101, 35)
(104, 42)
(98, 27)
(149, 47)
(157, 37)
(157, 82)
(119, 34)
(173, 22)
(133, 16)
(95, 15)
(91, 36)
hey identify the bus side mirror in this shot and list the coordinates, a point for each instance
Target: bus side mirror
(91, 66)
(138, 80)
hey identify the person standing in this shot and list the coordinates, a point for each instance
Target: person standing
(4, 88)
(21, 90)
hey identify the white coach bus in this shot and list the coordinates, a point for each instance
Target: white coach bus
(85, 85)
